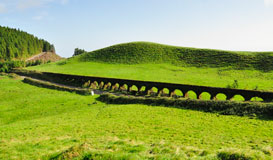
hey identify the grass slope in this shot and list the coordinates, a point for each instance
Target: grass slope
(145, 52)
(156, 62)
(215, 77)
(42, 123)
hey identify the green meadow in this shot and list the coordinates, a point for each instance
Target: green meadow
(39, 123)
(162, 63)
(215, 77)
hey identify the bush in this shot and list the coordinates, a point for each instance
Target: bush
(8, 65)
(78, 51)
(221, 107)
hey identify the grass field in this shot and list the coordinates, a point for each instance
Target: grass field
(216, 77)
(163, 63)
(38, 123)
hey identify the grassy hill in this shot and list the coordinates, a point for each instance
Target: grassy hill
(156, 62)
(51, 124)
(146, 52)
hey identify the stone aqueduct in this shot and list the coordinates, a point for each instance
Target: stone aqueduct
(144, 87)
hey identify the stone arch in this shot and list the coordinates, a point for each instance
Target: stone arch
(101, 85)
(142, 90)
(177, 93)
(115, 87)
(86, 84)
(205, 96)
(164, 92)
(133, 88)
(107, 86)
(256, 99)
(94, 85)
(191, 94)
(220, 96)
(123, 87)
(152, 91)
(238, 97)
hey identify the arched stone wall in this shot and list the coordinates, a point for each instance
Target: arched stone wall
(78, 81)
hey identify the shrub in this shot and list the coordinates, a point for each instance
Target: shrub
(221, 107)
(78, 51)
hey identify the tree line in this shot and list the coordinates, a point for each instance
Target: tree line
(17, 44)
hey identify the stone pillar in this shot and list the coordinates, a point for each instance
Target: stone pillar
(171, 93)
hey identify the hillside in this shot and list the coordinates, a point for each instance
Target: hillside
(45, 57)
(17, 44)
(146, 52)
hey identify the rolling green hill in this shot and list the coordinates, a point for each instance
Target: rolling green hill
(17, 44)
(146, 52)
(162, 63)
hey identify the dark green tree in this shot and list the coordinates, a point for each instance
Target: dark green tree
(16, 44)
(78, 51)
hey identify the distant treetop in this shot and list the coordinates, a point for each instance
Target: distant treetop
(16, 44)
(78, 51)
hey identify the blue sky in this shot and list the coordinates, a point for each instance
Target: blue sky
(93, 24)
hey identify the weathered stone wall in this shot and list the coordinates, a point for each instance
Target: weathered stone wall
(126, 85)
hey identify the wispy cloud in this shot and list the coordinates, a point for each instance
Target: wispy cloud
(40, 16)
(26, 4)
(22, 5)
(268, 3)
(2, 8)
(64, 1)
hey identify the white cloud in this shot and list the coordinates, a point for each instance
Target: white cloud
(268, 3)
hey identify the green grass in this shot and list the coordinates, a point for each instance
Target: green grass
(216, 77)
(42, 123)
(146, 52)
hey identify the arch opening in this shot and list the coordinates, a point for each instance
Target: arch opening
(94, 85)
(177, 93)
(107, 86)
(256, 99)
(134, 88)
(205, 96)
(86, 84)
(123, 88)
(221, 97)
(238, 97)
(191, 94)
(164, 92)
(142, 90)
(101, 84)
(115, 87)
(153, 91)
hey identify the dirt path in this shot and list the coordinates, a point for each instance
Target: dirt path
(96, 91)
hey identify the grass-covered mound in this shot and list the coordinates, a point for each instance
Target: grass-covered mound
(146, 52)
